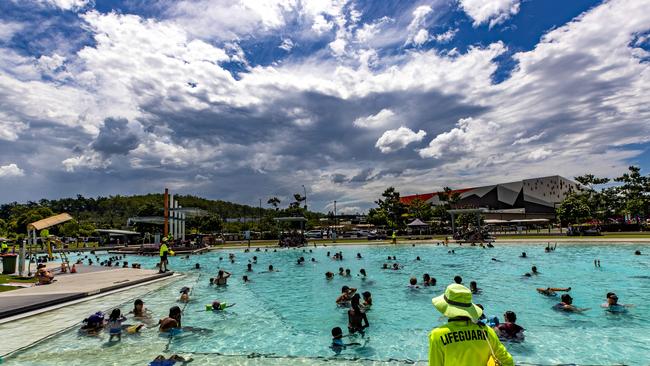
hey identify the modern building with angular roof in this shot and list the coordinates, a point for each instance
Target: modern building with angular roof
(524, 199)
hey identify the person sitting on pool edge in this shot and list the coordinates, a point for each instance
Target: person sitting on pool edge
(551, 291)
(357, 319)
(510, 330)
(613, 306)
(566, 304)
(462, 341)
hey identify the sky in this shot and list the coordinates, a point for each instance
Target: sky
(242, 100)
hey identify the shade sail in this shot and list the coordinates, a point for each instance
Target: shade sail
(417, 222)
(49, 222)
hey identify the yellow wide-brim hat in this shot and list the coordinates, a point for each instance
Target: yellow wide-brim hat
(457, 302)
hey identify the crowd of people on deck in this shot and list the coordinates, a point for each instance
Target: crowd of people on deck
(469, 337)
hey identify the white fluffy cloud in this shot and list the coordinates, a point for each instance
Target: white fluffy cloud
(8, 29)
(490, 11)
(466, 138)
(11, 170)
(417, 34)
(381, 119)
(393, 140)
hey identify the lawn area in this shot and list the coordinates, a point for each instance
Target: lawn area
(13, 278)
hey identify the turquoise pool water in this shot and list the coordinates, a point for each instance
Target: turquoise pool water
(290, 313)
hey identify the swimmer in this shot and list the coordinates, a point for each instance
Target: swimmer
(313, 260)
(173, 321)
(474, 288)
(185, 295)
(567, 305)
(417, 258)
(425, 279)
(637, 252)
(510, 330)
(397, 267)
(341, 271)
(271, 269)
(523, 255)
(160, 360)
(359, 256)
(357, 320)
(458, 280)
(533, 270)
(139, 311)
(93, 324)
(249, 267)
(348, 273)
(346, 295)
(613, 306)
(222, 278)
(496, 260)
(329, 275)
(218, 306)
(551, 291)
(367, 301)
(115, 325)
(362, 273)
(413, 283)
(245, 279)
(385, 266)
(337, 341)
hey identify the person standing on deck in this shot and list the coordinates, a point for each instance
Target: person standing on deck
(463, 342)
(163, 255)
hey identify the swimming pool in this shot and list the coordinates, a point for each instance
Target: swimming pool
(290, 313)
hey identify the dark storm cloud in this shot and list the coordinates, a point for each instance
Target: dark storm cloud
(115, 137)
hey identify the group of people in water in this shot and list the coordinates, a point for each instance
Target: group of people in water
(468, 322)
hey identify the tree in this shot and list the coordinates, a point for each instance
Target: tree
(635, 192)
(574, 209)
(392, 208)
(598, 202)
(70, 229)
(419, 209)
(210, 223)
(275, 202)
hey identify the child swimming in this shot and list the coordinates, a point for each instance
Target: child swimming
(115, 325)
(218, 306)
(337, 341)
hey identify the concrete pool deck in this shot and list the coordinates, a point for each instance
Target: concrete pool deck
(87, 282)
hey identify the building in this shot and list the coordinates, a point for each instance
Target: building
(528, 199)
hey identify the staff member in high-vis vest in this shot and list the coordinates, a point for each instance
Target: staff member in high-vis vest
(463, 341)
(163, 255)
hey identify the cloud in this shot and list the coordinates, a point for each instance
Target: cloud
(115, 137)
(199, 104)
(11, 170)
(490, 11)
(466, 137)
(287, 44)
(8, 29)
(446, 36)
(539, 154)
(417, 34)
(381, 119)
(74, 5)
(393, 140)
(90, 160)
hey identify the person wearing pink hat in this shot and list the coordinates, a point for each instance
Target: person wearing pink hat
(462, 341)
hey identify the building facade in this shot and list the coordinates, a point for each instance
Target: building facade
(534, 198)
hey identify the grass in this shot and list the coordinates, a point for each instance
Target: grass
(12, 278)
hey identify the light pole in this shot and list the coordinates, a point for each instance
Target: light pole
(336, 219)
(305, 195)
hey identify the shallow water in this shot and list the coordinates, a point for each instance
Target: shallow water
(290, 313)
